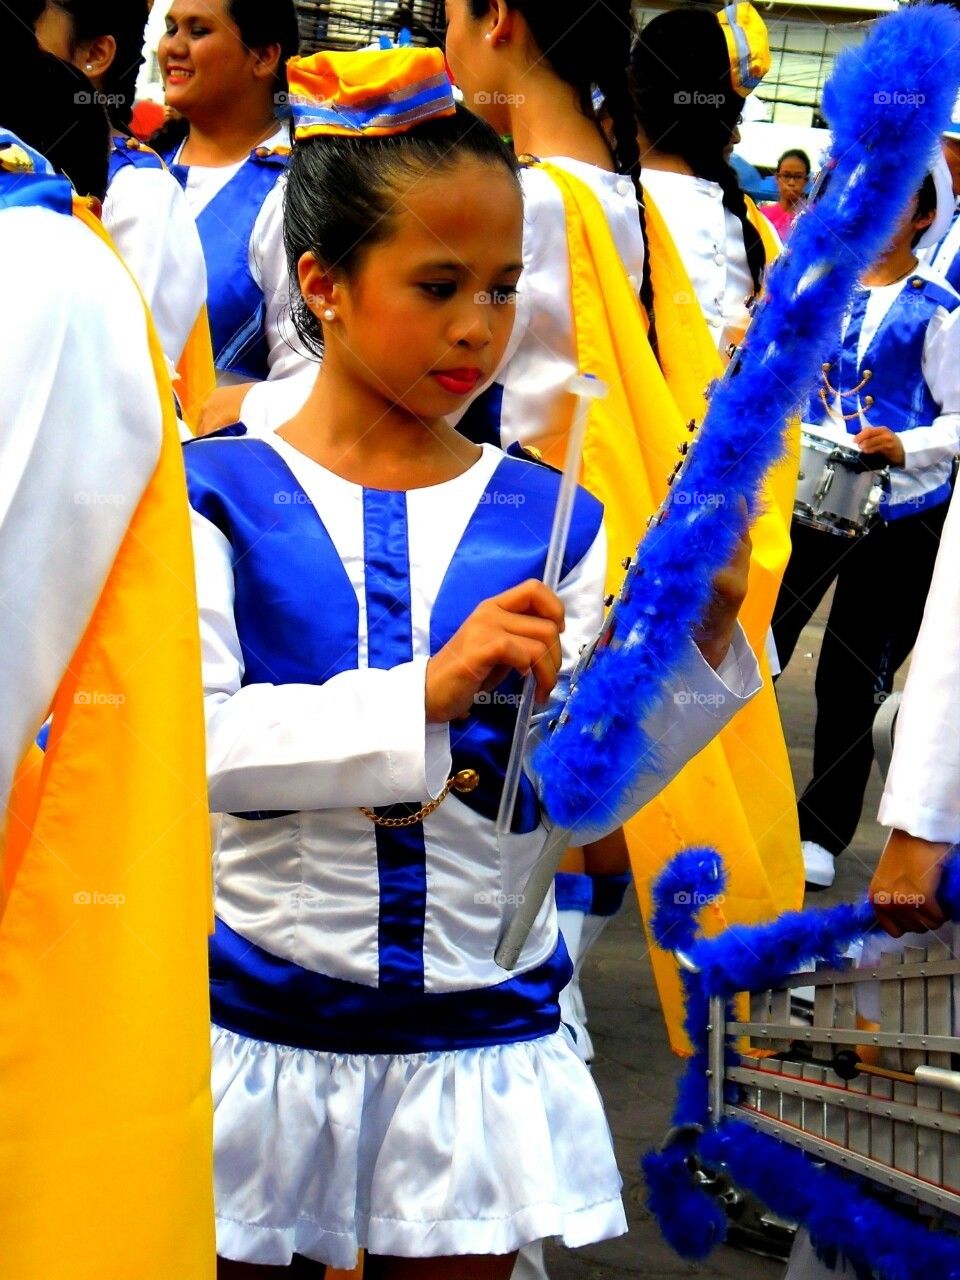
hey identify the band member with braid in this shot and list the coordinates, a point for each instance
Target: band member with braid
(528, 67)
(587, 301)
(688, 108)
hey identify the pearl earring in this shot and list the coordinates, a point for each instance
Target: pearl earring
(89, 66)
(329, 315)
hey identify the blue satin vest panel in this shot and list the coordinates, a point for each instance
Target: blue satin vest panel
(262, 997)
(401, 852)
(123, 155)
(296, 610)
(297, 619)
(42, 188)
(295, 607)
(235, 301)
(901, 399)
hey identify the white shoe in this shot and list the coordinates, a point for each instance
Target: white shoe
(819, 865)
(530, 1264)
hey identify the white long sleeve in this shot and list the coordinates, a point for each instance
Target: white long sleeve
(146, 213)
(931, 443)
(922, 793)
(80, 432)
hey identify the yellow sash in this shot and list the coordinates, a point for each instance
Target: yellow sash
(197, 378)
(737, 795)
(105, 1109)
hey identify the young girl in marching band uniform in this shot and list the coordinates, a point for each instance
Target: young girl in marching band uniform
(370, 598)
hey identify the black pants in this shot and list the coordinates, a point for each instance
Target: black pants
(882, 580)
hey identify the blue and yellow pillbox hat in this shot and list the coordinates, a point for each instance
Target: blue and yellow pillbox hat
(373, 93)
(747, 44)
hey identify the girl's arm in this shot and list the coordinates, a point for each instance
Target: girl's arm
(365, 737)
(146, 213)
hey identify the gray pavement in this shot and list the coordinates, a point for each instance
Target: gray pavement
(634, 1067)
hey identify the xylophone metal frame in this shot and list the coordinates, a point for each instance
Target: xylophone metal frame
(896, 1123)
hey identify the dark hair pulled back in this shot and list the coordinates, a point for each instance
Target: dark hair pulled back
(687, 106)
(586, 47)
(126, 21)
(47, 103)
(340, 192)
(260, 23)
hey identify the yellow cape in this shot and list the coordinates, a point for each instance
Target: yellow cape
(105, 1109)
(738, 794)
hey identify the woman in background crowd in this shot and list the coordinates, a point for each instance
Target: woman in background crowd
(223, 64)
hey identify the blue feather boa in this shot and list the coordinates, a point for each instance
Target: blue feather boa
(841, 1217)
(887, 103)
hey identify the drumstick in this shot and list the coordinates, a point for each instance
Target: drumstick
(586, 388)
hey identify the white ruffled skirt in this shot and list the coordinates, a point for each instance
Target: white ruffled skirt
(472, 1151)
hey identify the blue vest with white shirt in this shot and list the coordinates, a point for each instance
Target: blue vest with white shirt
(884, 385)
(299, 621)
(235, 301)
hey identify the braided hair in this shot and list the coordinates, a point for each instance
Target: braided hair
(587, 51)
(687, 106)
(126, 21)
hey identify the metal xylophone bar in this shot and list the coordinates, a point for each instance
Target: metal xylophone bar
(896, 1127)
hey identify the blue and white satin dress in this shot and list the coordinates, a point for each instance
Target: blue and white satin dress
(378, 1080)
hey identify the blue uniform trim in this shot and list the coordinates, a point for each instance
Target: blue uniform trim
(262, 997)
(401, 853)
(123, 156)
(482, 421)
(925, 502)
(295, 608)
(901, 398)
(40, 189)
(297, 619)
(573, 892)
(235, 302)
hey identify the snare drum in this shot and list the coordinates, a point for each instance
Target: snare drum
(838, 489)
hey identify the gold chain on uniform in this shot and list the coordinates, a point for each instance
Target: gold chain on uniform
(463, 782)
